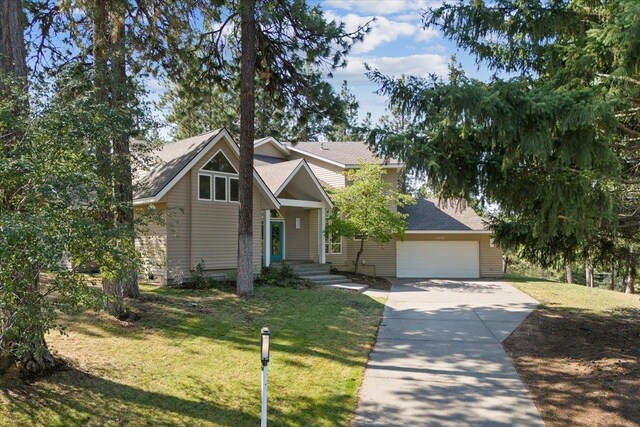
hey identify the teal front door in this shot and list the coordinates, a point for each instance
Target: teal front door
(277, 240)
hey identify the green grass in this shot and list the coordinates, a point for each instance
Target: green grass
(577, 298)
(193, 359)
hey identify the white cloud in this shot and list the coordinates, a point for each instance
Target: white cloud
(382, 31)
(415, 65)
(426, 34)
(381, 7)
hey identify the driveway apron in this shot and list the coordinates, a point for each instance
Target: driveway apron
(438, 359)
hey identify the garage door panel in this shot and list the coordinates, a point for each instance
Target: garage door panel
(453, 259)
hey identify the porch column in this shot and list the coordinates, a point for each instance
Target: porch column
(323, 222)
(267, 237)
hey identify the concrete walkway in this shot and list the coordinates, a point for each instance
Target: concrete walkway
(438, 358)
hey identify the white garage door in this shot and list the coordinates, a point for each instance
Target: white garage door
(459, 259)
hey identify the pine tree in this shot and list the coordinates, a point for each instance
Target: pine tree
(555, 146)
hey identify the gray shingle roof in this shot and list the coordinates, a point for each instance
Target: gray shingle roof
(275, 174)
(261, 160)
(346, 153)
(170, 159)
(426, 215)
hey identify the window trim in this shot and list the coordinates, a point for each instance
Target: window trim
(219, 172)
(210, 186)
(227, 176)
(329, 245)
(226, 194)
(237, 178)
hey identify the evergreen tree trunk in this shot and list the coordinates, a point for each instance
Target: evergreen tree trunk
(505, 264)
(569, 273)
(12, 49)
(13, 64)
(612, 278)
(630, 281)
(247, 136)
(588, 274)
(100, 18)
(355, 270)
(123, 182)
(113, 153)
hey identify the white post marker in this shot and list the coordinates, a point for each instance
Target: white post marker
(265, 336)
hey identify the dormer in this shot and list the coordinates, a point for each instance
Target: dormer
(270, 147)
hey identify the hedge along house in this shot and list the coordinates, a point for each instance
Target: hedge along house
(193, 186)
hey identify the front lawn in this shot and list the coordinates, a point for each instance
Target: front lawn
(579, 353)
(193, 359)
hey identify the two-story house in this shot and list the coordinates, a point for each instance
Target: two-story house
(194, 188)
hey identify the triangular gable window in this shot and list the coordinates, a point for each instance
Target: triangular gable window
(219, 163)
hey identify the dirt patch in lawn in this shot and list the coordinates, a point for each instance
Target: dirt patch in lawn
(580, 368)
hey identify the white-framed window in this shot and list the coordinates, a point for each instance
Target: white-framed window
(204, 186)
(234, 189)
(218, 180)
(219, 188)
(333, 245)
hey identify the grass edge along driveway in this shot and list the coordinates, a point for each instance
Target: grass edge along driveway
(193, 359)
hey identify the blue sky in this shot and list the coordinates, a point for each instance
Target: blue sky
(397, 44)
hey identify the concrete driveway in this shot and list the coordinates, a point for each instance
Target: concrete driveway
(438, 359)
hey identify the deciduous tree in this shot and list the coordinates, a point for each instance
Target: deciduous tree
(366, 208)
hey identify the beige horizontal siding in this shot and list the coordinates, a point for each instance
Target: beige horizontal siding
(269, 150)
(214, 230)
(382, 257)
(325, 172)
(391, 176)
(179, 230)
(206, 230)
(490, 258)
(296, 240)
(151, 243)
(314, 226)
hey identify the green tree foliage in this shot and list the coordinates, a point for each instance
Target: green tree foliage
(199, 101)
(555, 146)
(347, 128)
(366, 208)
(108, 44)
(50, 212)
(65, 196)
(214, 106)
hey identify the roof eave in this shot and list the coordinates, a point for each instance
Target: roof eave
(211, 141)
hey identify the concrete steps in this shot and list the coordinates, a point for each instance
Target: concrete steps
(320, 275)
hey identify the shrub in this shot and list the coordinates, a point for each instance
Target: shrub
(198, 279)
(231, 277)
(284, 277)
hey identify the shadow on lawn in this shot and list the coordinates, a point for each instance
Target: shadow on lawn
(582, 368)
(114, 403)
(316, 323)
(306, 325)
